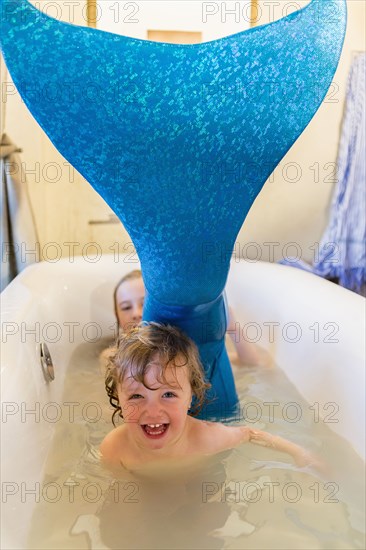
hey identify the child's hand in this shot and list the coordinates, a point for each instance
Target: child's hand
(264, 439)
(305, 458)
(301, 456)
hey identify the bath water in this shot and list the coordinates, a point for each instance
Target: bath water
(250, 497)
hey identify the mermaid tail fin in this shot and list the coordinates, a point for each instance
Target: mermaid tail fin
(190, 133)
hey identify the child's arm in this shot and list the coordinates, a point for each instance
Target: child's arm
(222, 437)
(301, 456)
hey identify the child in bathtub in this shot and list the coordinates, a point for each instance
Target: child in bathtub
(151, 379)
(128, 300)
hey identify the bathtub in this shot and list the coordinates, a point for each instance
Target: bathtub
(314, 329)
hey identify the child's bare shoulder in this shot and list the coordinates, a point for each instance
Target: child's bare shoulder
(216, 436)
(112, 445)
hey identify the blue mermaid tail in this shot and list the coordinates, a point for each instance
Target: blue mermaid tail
(177, 139)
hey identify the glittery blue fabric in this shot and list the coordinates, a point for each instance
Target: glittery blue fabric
(177, 139)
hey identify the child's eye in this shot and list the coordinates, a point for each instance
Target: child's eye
(169, 394)
(135, 396)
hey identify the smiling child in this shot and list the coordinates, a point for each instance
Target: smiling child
(152, 377)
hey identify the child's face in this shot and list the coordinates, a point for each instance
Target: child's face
(166, 406)
(129, 303)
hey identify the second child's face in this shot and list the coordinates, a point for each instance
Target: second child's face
(156, 418)
(130, 302)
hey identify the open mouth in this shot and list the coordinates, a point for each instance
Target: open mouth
(154, 431)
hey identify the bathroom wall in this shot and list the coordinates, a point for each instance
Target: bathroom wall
(293, 207)
(294, 204)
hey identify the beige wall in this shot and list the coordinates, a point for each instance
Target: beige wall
(288, 211)
(64, 204)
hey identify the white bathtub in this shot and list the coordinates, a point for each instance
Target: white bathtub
(314, 329)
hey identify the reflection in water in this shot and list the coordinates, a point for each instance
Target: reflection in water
(250, 497)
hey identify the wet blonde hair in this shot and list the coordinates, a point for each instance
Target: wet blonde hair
(136, 349)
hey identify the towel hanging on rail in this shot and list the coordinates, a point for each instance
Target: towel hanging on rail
(19, 243)
(342, 252)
